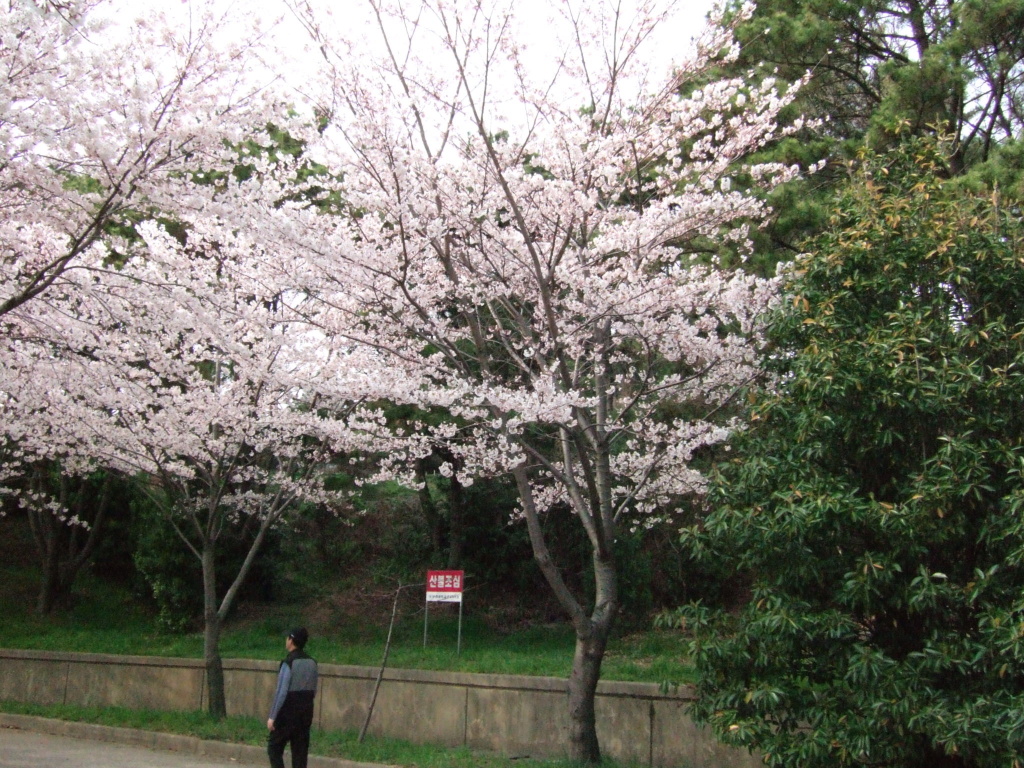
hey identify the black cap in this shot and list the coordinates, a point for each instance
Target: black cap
(299, 636)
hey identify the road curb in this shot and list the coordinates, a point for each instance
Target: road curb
(169, 742)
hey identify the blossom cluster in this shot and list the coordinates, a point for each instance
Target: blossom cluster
(524, 253)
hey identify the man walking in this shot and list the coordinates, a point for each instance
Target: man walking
(291, 713)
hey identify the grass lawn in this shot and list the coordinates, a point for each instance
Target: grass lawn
(106, 619)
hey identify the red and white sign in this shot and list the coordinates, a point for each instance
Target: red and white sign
(444, 586)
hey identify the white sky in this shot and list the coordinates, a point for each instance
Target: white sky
(538, 19)
(352, 19)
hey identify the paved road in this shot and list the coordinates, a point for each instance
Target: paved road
(28, 749)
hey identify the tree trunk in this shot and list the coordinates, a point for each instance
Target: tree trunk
(50, 588)
(214, 669)
(214, 614)
(586, 671)
(456, 523)
(592, 632)
(51, 594)
(211, 637)
(55, 592)
(591, 643)
(430, 513)
(58, 543)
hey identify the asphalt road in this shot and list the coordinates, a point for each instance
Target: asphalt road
(28, 749)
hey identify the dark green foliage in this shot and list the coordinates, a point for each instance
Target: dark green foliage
(68, 517)
(876, 68)
(108, 619)
(390, 540)
(496, 551)
(170, 575)
(947, 65)
(393, 541)
(876, 501)
(113, 558)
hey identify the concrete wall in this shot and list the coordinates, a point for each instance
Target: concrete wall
(517, 716)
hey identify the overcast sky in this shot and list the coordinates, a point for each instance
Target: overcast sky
(351, 19)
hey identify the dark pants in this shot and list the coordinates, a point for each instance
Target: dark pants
(297, 734)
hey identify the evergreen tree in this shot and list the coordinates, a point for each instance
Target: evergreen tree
(949, 67)
(875, 502)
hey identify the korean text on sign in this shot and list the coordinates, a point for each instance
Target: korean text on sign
(444, 586)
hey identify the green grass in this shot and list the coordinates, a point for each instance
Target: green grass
(247, 730)
(105, 620)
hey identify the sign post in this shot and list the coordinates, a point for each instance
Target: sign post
(444, 587)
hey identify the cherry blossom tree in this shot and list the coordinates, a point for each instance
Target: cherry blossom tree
(97, 113)
(122, 346)
(198, 387)
(528, 253)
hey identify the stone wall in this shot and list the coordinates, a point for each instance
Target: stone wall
(514, 715)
